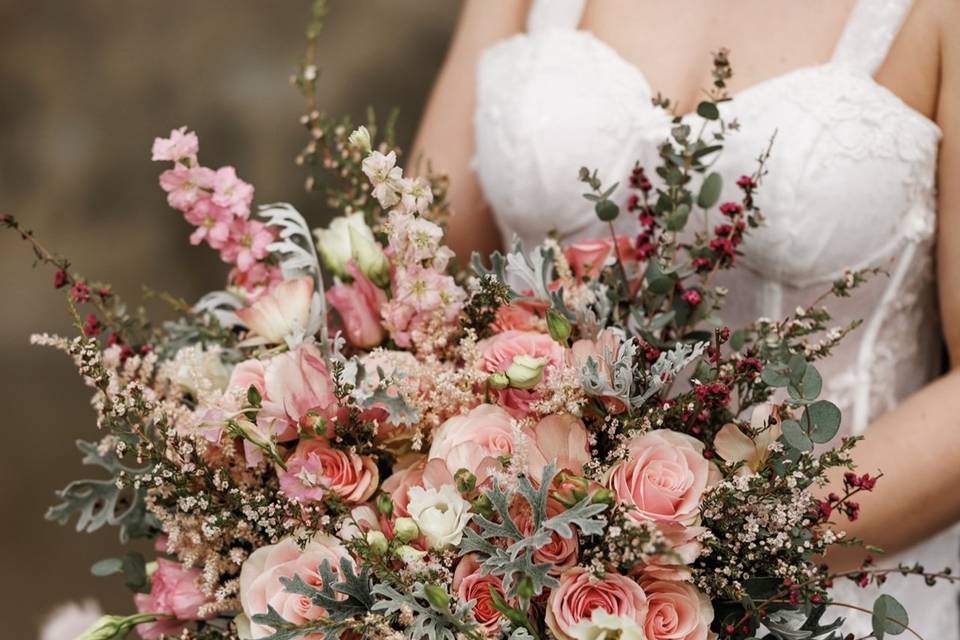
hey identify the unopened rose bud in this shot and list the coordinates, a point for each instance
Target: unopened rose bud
(360, 139)
(406, 529)
(369, 257)
(409, 555)
(526, 372)
(437, 597)
(465, 481)
(498, 381)
(385, 504)
(558, 326)
(604, 496)
(377, 542)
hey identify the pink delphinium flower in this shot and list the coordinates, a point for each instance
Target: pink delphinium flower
(186, 185)
(181, 145)
(260, 280)
(248, 243)
(316, 469)
(232, 193)
(212, 223)
(359, 307)
(173, 592)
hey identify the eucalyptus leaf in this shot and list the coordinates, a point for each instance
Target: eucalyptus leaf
(824, 417)
(889, 616)
(106, 567)
(795, 437)
(710, 190)
(708, 110)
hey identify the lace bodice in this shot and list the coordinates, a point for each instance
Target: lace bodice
(851, 183)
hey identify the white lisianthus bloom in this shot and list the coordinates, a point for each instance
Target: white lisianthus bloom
(441, 514)
(334, 242)
(197, 371)
(606, 626)
(417, 195)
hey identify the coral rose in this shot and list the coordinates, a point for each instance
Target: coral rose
(470, 584)
(561, 439)
(663, 477)
(576, 608)
(260, 580)
(316, 469)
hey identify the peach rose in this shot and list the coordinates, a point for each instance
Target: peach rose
(561, 439)
(588, 257)
(573, 607)
(283, 315)
(431, 474)
(470, 584)
(685, 547)
(561, 552)
(498, 354)
(676, 611)
(359, 307)
(602, 351)
(173, 592)
(663, 477)
(316, 468)
(474, 441)
(260, 580)
(516, 317)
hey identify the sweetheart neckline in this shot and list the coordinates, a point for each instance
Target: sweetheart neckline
(591, 38)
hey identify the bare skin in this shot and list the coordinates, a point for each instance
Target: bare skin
(917, 445)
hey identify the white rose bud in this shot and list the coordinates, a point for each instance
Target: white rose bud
(369, 257)
(334, 241)
(441, 514)
(526, 372)
(409, 555)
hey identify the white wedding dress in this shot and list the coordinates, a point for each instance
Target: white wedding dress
(851, 183)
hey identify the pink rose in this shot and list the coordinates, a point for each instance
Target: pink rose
(561, 439)
(676, 611)
(173, 592)
(603, 351)
(498, 354)
(474, 441)
(260, 580)
(359, 307)
(316, 468)
(663, 477)
(431, 474)
(588, 257)
(581, 595)
(296, 383)
(283, 314)
(470, 584)
(561, 552)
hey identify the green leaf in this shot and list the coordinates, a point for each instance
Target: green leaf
(708, 110)
(810, 385)
(889, 616)
(107, 567)
(737, 339)
(710, 191)
(135, 570)
(775, 375)
(607, 210)
(677, 220)
(798, 367)
(825, 419)
(795, 437)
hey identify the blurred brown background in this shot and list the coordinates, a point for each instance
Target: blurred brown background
(85, 85)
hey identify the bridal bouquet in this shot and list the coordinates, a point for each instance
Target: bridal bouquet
(357, 439)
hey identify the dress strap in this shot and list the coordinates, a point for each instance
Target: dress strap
(554, 14)
(870, 31)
